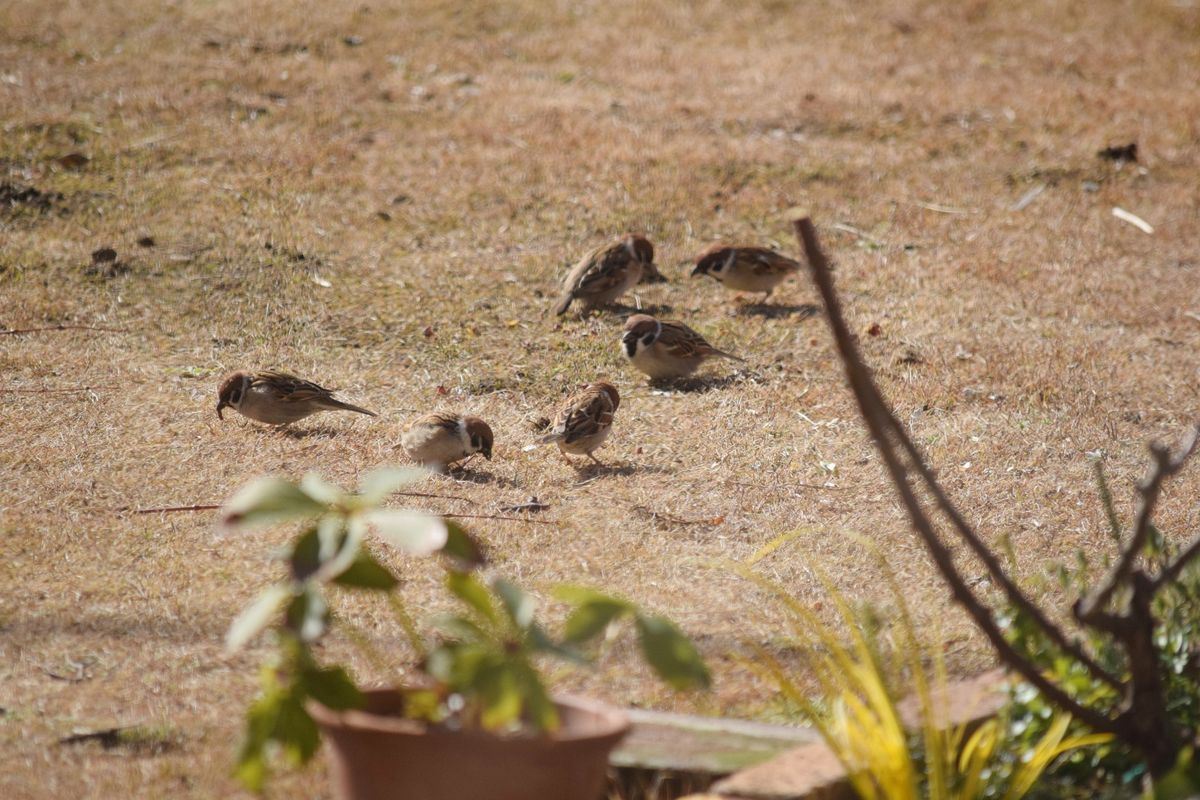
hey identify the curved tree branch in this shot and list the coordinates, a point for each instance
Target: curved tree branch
(887, 433)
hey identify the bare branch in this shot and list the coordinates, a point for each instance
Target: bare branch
(884, 429)
(868, 395)
(1166, 464)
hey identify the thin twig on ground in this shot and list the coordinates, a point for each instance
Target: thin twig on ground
(173, 509)
(22, 331)
(494, 516)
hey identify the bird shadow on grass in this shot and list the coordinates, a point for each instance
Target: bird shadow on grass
(465, 474)
(589, 471)
(668, 387)
(300, 434)
(773, 311)
(623, 311)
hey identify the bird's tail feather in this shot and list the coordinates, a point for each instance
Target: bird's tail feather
(344, 406)
(563, 304)
(549, 438)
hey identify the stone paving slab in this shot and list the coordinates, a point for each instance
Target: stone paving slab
(716, 746)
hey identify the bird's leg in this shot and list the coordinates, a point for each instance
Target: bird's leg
(592, 456)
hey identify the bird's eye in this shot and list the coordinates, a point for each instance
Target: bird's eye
(476, 442)
(718, 267)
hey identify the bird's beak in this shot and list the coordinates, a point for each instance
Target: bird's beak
(487, 453)
(698, 271)
(629, 337)
(221, 405)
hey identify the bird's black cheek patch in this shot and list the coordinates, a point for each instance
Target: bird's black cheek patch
(630, 347)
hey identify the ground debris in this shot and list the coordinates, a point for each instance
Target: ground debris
(671, 519)
(1119, 152)
(531, 505)
(14, 196)
(105, 264)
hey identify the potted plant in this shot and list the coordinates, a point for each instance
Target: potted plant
(479, 722)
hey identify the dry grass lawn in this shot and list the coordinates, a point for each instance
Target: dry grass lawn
(383, 198)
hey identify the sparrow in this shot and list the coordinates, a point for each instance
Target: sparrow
(584, 421)
(608, 272)
(277, 398)
(744, 268)
(436, 440)
(666, 349)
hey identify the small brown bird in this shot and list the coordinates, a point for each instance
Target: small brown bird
(277, 398)
(745, 268)
(584, 421)
(437, 440)
(666, 349)
(608, 272)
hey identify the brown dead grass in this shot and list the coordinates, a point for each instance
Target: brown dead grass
(442, 175)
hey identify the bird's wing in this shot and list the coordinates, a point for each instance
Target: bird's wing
(600, 271)
(586, 414)
(766, 262)
(683, 342)
(290, 389)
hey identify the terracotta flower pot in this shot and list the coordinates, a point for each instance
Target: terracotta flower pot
(375, 754)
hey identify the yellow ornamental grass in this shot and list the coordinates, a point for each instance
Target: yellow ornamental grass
(859, 720)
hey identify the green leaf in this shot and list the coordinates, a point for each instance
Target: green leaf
(331, 533)
(460, 628)
(367, 573)
(539, 708)
(295, 730)
(465, 587)
(256, 616)
(411, 531)
(267, 501)
(591, 619)
(519, 604)
(320, 489)
(378, 484)
(540, 642)
(423, 704)
(671, 654)
(457, 665)
(578, 595)
(1182, 782)
(261, 720)
(308, 615)
(348, 548)
(332, 688)
(305, 558)
(463, 547)
(499, 695)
